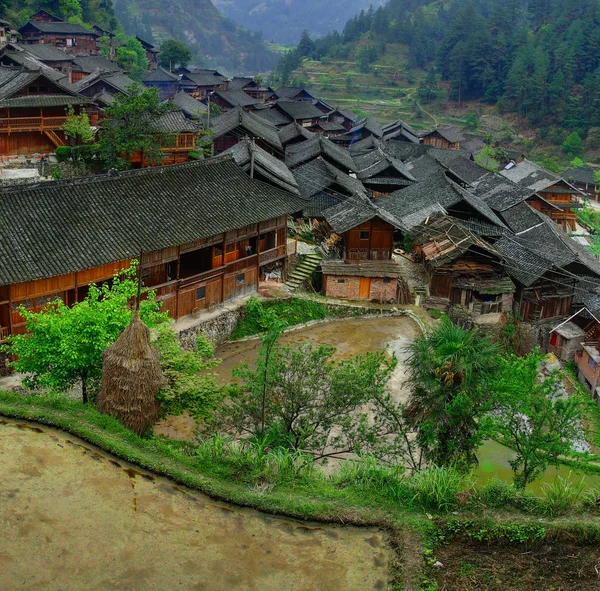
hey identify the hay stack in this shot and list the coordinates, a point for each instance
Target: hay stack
(131, 378)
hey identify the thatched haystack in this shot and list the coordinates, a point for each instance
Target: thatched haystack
(131, 378)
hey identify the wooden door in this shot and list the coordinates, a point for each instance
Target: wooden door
(364, 288)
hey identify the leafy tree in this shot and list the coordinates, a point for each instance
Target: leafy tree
(132, 57)
(304, 399)
(573, 146)
(173, 53)
(190, 386)
(306, 45)
(129, 126)
(428, 87)
(77, 127)
(450, 373)
(63, 345)
(472, 121)
(577, 163)
(535, 417)
(487, 158)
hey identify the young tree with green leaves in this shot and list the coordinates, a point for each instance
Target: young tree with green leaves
(129, 126)
(131, 56)
(172, 54)
(450, 375)
(77, 127)
(534, 416)
(298, 397)
(63, 345)
(573, 146)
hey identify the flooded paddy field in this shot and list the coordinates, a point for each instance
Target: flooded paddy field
(75, 518)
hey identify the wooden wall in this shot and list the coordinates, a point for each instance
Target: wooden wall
(370, 241)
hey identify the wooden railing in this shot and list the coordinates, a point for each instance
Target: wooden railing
(31, 123)
(3, 333)
(272, 254)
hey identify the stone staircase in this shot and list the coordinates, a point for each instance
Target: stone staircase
(308, 263)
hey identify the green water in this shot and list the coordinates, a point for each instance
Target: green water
(493, 462)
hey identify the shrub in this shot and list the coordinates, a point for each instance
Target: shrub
(563, 494)
(437, 488)
(195, 155)
(63, 153)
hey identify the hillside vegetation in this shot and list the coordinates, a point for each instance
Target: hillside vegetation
(537, 60)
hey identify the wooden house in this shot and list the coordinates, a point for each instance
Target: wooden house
(302, 112)
(85, 65)
(230, 99)
(361, 130)
(151, 53)
(44, 28)
(343, 117)
(32, 111)
(319, 147)
(260, 92)
(207, 232)
(463, 269)
(365, 269)
(583, 178)
(381, 173)
(552, 195)
(110, 36)
(294, 93)
(568, 337)
(52, 57)
(100, 81)
(199, 83)
(166, 82)
(447, 138)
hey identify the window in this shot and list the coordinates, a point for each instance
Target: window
(201, 292)
(364, 235)
(386, 280)
(240, 279)
(28, 304)
(592, 363)
(230, 247)
(341, 281)
(47, 299)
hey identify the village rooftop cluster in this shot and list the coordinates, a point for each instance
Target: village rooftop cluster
(400, 217)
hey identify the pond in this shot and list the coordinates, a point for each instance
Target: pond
(74, 517)
(356, 336)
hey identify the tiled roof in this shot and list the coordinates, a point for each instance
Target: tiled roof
(298, 110)
(291, 92)
(318, 146)
(59, 27)
(30, 62)
(250, 122)
(46, 52)
(90, 63)
(375, 162)
(364, 146)
(237, 83)
(204, 78)
(119, 81)
(61, 227)
(521, 217)
(174, 122)
(273, 116)
(160, 75)
(529, 175)
(266, 165)
(44, 100)
(318, 175)
(499, 193)
(292, 131)
(584, 174)
(449, 133)
(188, 104)
(355, 211)
(389, 269)
(236, 98)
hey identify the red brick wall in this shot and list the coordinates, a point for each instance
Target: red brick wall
(349, 289)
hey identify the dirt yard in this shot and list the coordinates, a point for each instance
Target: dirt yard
(75, 519)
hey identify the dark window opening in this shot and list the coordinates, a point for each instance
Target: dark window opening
(364, 235)
(195, 262)
(386, 280)
(240, 279)
(172, 271)
(341, 281)
(201, 292)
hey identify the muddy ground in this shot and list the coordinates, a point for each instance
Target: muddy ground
(73, 518)
(544, 568)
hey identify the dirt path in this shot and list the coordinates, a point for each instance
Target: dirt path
(74, 519)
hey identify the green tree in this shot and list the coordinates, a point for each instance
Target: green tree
(573, 146)
(450, 372)
(173, 53)
(63, 345)
(77, 127)
(534, 417)
(132, 57)
(129, 126)
(304, 399)
(306, 45)
(428, 87)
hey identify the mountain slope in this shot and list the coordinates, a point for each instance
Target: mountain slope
(283, 21)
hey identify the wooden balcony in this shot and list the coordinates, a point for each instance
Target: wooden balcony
(11, 124)
(3, 333)
(272, 254)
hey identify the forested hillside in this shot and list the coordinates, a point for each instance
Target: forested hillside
(283, 22)
(214, 39)
(538, 58)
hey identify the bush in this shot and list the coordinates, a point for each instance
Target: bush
(563, 494)
(437, 488)
(63, 153)
(195, 155)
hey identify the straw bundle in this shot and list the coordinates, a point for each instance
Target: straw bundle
(131, 378)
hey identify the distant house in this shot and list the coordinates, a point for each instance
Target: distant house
(343, 117)
(111, 82)
(45, 28)
(260, 92)
(361, 130)
(229, 99)
(381, 173)
(400, 132)
(567, 338)
(166, 82)
(88, 64)
(199, 83)
(583, 179)
(294, 93)
(32, 110)
(151, 53)
(5, 28)
(447, 138)
(191, 107)
(50, 56)
(302, 112)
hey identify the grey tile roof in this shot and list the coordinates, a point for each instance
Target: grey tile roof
(293, 131)
(59, 27)
(318, 175)
(204, 78)
(66, 226)
(292, 92)
(160, 75)
(174, 122)
(46, 52)
(521, 217)
(238, 83)
(268, 166)
(44, 100)
(29, 62)
(236, 98)
(318, 146)
(424, 168)
(375, 162)
(249, 122)
(406, 151)
(90, 63)
(364, 146)
(119, 81)
(389, 269)
(299, 110)
(499, 193)
(449, 133)
(531, 176)
(584, 174)
(331, 126)
(274, 116)
(188, 104)
(467, 170)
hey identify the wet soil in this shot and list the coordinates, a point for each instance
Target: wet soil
(545, 568)
(75, 518)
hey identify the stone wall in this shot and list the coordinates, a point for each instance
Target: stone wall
(216, 329)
